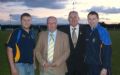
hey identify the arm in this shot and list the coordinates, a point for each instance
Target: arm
(10, 45)
(10, 59)
(106, 59)
(34, 60)
(38, 49)
(106, 52)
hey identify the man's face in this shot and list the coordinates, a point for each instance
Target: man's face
(52, 24)
(73, 19)
(26, 22)
(92, 20)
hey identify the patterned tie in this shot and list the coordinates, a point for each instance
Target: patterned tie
(50, 49)
(74, 37)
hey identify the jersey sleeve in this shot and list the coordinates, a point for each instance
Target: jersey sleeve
(106, 48)
(104, 36)
(12, 39)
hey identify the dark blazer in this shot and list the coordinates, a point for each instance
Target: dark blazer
(76, 58)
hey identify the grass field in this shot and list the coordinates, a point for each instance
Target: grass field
(115, 36)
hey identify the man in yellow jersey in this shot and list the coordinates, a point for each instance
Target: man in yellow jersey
(20, 48)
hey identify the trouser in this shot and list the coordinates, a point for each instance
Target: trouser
(50, 71)
(76, 70)
(25, 68)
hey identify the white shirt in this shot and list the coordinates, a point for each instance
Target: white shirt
(54, 36)
(76, 31)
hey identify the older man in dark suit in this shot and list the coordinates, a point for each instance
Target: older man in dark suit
(75, 62)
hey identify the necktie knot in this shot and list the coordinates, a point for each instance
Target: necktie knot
(51, 36)
(73, 29)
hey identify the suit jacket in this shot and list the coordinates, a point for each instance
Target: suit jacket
(76, 58)
(61, 50)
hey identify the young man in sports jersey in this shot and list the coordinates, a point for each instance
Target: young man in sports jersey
(98, 47)
(20, 48)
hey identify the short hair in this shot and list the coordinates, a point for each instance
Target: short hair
(93, 13)
(73, 12)
(25, 14)
(51, 17)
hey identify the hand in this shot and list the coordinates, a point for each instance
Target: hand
(55, 64)
(34, 65)
(14, 71)
(46, 65)
(103, 72)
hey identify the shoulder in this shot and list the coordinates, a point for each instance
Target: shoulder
(13, 36)
(63, 34)
(104, 35)
(84, 27)
(101, 27)
(15, 32)
(42, 33)
(103, 30)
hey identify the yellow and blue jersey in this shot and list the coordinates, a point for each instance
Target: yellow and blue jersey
(22, 44)
(98, 47)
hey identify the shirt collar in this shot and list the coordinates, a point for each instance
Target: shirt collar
(54, 33)
(96, 27)
(25, 31)
(77, 26)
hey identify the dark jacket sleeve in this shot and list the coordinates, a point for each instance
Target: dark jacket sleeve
(106, 56)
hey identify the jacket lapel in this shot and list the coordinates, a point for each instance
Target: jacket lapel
(70, 38)
(79, 36)
(46, 44)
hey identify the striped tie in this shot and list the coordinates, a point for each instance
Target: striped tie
(50, 49)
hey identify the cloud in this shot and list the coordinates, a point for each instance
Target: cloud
(2, 22)
(15, 19)
(51, 4)
(54, 4)
(105, 18)
(4, 0)
(105, 10)
(36, 20)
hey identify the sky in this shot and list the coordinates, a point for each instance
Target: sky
(10, 10)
